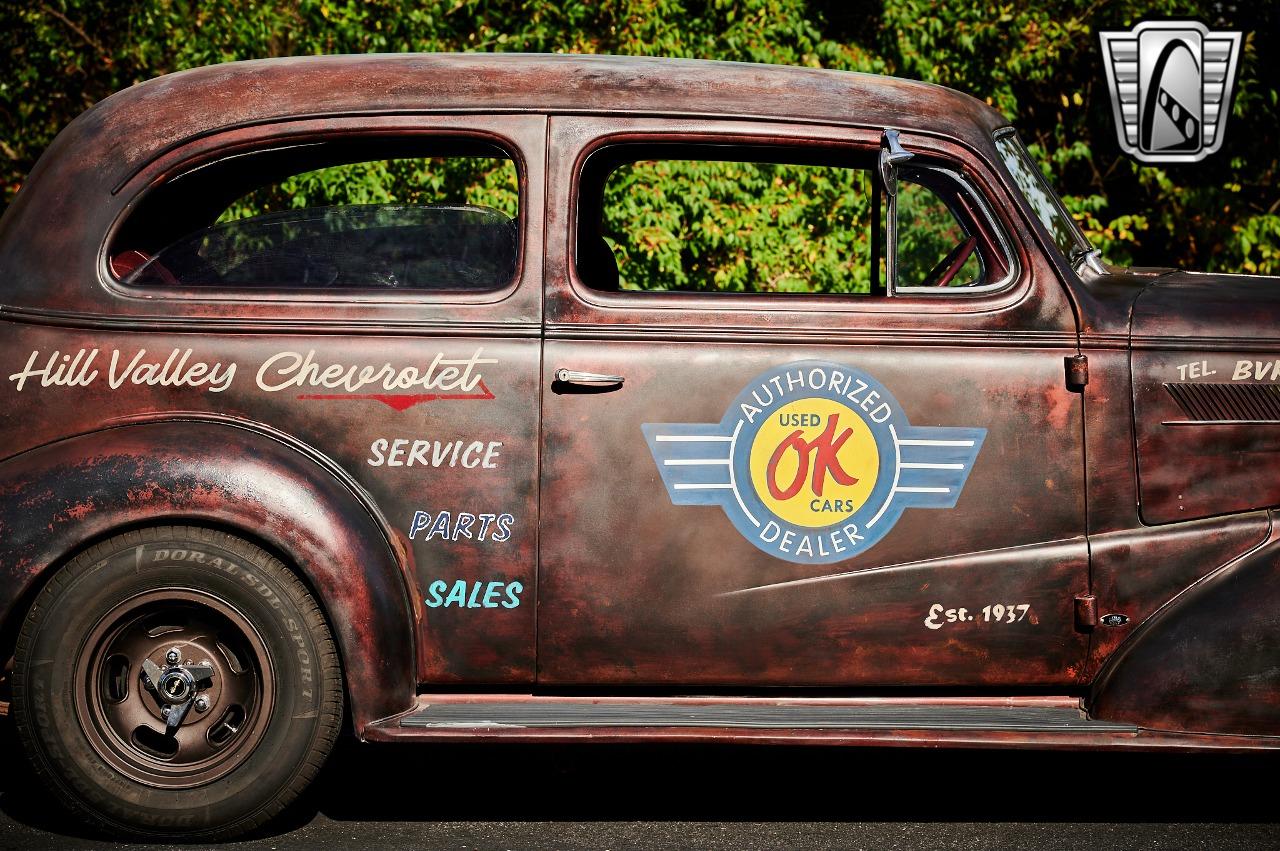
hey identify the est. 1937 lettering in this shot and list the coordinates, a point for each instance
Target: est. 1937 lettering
(940, 616)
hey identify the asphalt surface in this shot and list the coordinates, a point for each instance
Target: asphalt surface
(737, 797)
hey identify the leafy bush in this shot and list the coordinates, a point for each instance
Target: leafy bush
(1037, 62)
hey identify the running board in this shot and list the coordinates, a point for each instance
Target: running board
(764, 716)
(1001, 720)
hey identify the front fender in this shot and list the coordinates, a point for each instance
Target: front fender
(1209, 661)
(55, 498)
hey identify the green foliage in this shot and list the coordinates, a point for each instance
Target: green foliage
(1037, 62)
(739, 227)
(927, 232)
(482, 181)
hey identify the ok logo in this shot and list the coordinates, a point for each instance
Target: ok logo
(824, 450)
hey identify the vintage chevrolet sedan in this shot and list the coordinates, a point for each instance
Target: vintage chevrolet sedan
(444, 398)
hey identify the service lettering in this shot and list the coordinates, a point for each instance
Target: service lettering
(403, 452)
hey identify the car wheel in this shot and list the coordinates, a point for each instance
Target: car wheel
(176, 681)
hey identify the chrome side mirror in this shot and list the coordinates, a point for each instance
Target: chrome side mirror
(891, 154)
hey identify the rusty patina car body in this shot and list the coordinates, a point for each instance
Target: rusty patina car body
(1111, 437)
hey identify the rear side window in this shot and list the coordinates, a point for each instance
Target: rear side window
(386, 214)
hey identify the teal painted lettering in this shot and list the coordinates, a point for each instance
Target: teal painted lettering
(457, 595)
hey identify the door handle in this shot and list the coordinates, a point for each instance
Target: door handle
(588, 379)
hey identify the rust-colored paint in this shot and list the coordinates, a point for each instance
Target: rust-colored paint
(63, 494)
(1205, 663)
(1107, 490)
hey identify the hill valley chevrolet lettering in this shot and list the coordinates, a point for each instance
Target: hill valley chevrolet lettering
(441, 378)
(83, 368)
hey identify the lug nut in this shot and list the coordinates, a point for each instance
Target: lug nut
(173, 656)
(202, 704)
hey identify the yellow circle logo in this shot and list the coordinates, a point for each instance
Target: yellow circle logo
(814, 462)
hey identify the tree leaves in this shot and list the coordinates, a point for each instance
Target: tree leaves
(1039, 63)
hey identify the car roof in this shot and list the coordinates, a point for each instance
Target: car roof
(73, 192)
(140, 121)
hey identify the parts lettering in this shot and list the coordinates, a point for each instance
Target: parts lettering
(451, 526)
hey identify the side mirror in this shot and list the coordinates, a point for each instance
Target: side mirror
(891, 155)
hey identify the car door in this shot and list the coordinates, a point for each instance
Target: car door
(399, 339)
(787, 488)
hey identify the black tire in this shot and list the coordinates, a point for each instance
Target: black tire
(271, 712)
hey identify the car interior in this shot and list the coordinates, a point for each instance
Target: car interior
(180, 238)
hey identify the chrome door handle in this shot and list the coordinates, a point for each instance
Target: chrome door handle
(588, 379)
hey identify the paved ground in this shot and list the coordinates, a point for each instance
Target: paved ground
(737, 797)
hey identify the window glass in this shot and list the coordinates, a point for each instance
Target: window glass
(476, 181)
(1043, 200)
(730, 227)
(762, 220)
(934, 248)
(289, 220)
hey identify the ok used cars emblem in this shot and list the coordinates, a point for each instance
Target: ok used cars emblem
(814, 462)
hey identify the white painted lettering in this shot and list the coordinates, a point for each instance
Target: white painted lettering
(285, 370)
(405, 452)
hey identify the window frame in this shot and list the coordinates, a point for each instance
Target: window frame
(1081, 242)
(982, 208)
(767, 300)
(229, 145)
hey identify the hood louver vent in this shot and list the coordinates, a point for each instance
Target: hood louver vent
(1253, 403)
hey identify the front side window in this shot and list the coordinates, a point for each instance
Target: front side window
(933, 247)
(1044, 202)
(775, 221)
(331, 217)
(945, 238)
(734, 227)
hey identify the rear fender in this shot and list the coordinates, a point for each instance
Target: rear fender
(56, 498)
